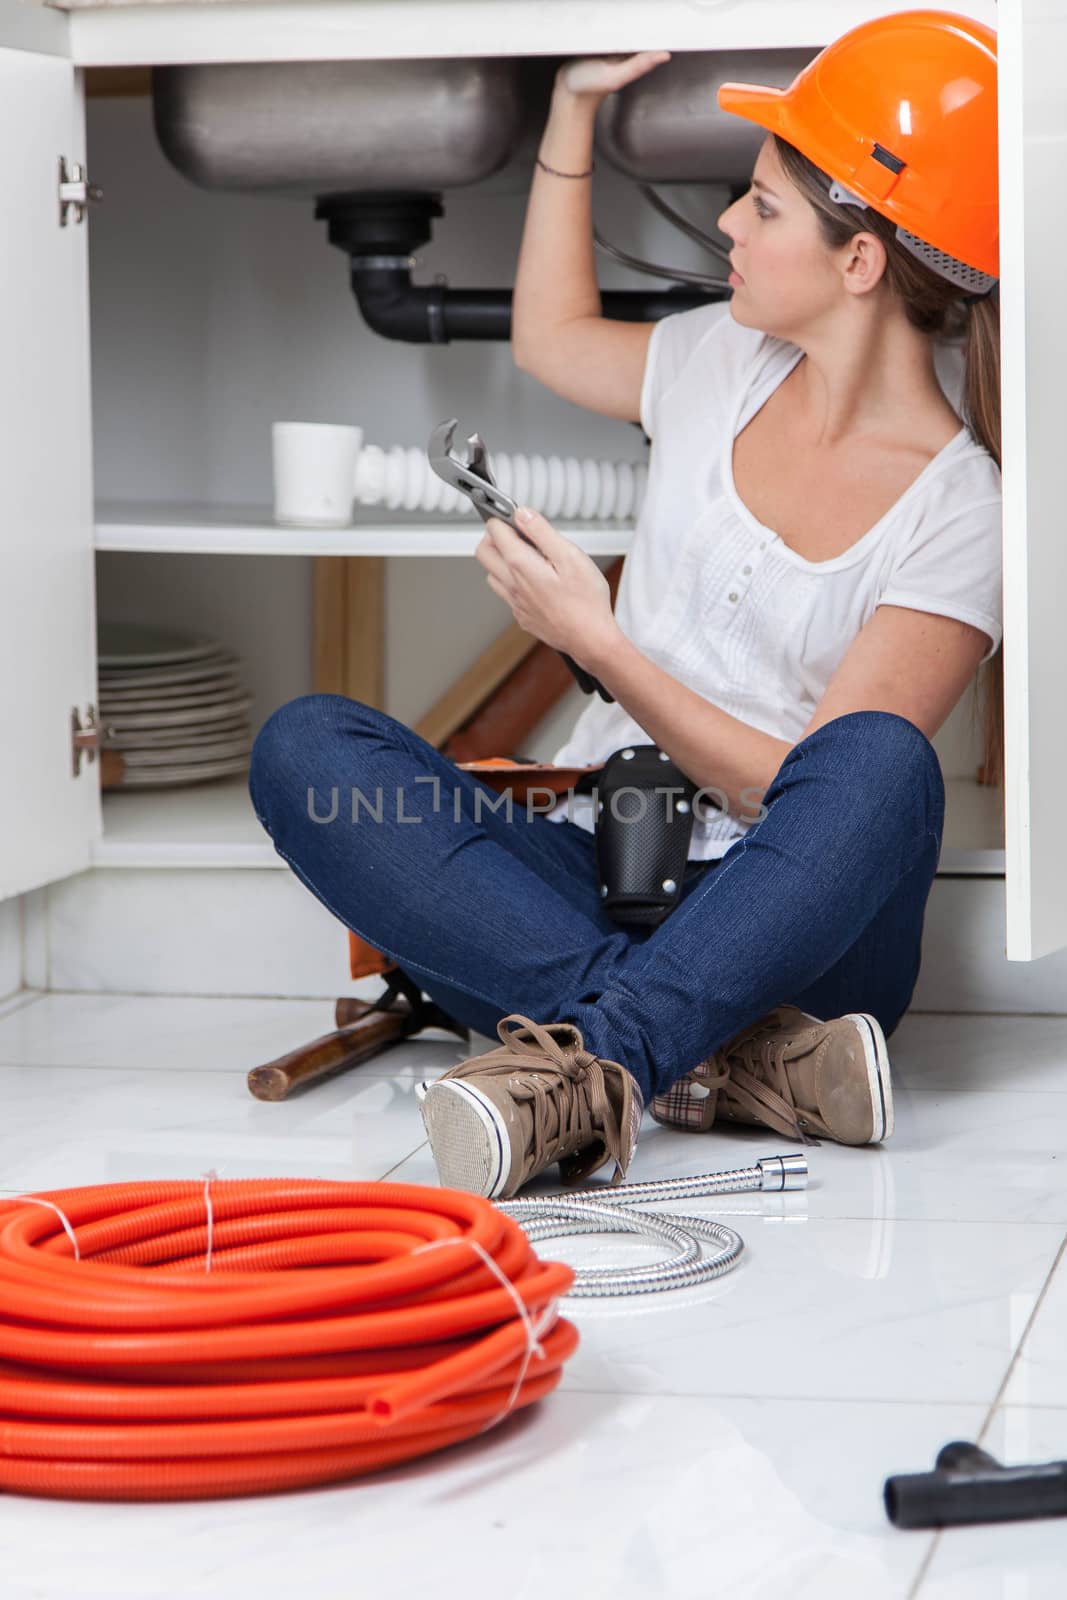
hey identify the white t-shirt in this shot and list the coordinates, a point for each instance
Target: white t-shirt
(720, 602)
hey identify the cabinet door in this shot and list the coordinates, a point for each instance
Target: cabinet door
(1032, 47)
(48, 816)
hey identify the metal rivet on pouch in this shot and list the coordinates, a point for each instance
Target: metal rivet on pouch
(682, 805)
(669, 886)
(603, 890)
(627, 755)
(664, 756)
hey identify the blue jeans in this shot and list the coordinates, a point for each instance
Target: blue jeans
(820, 904)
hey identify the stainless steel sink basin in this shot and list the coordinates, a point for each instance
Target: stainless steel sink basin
(310, 127)
(667, 127)
(326, 127)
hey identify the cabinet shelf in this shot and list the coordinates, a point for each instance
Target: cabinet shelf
(214, 825)
(195, 529)
(204, 825)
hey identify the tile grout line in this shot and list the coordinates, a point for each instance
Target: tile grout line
(199, 994)
(924, 1566)
(368, 1069)
(770, 1396)
(19, 1001)
(400, 1163)
(1031, 1319)
(1061, 1253)
(300, 999)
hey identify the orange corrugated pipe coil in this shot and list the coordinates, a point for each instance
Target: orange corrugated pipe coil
(304, 1340)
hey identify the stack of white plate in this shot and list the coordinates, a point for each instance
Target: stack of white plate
(172, 704)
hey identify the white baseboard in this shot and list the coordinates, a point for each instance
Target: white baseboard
(260, 932)
(208, 932)
(964, 967)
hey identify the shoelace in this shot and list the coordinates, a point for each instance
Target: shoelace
(569, 1110)
(761, 1089)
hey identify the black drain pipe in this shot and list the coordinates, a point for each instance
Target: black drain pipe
(380, 233)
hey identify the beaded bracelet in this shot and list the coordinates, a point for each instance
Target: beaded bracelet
(556, 173)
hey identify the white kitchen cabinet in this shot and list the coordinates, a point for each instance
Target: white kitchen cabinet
(1033, 165)
(49, 812)
(44, 842)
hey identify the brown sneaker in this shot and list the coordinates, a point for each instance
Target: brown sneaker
(793, 1073)
(497, 1120)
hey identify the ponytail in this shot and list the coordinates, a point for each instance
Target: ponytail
(981, 389)
(939, 308)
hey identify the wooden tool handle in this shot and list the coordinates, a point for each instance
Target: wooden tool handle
(368, 1035)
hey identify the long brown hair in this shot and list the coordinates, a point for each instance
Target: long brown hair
(936, 307)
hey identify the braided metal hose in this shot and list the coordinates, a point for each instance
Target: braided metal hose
(607, 1210)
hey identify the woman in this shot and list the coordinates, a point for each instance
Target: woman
(813, 583)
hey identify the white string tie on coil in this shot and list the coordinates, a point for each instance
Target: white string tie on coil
(35, 1200)
(208, 1177)
(533, 1329)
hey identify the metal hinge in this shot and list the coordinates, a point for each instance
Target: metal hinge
(75, 191)
(83, 740)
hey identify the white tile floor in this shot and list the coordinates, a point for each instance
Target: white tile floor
(730, 1442)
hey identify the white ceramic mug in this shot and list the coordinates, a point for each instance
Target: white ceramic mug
(314, 473)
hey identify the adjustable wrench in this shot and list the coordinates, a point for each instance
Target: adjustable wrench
(474, 479)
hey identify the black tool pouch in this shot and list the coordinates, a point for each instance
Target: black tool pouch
(644, 820)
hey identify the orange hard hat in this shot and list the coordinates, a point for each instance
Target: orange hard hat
(902, 113)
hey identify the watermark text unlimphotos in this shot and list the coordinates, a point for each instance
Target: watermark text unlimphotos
(377, 808)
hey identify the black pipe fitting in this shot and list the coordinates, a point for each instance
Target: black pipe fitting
(969, 1485)
(380, 232)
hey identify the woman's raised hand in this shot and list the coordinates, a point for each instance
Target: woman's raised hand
(599, 76)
